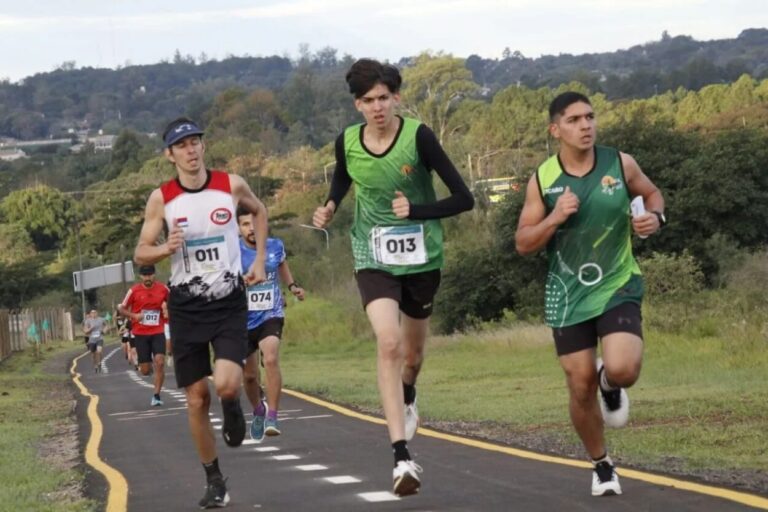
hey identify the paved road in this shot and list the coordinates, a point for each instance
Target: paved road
(328, 461)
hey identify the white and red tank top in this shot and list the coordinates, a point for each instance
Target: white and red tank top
(207, 268)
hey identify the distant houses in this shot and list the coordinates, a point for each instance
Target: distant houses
(11, 149)
(11, 154)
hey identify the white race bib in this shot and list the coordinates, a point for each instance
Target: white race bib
(205, 255)
(261, 297)
(150, 317)
(95, 334)
(399, 245)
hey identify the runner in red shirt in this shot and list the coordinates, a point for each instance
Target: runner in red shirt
(145, 305)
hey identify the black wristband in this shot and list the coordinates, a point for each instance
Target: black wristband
(290, 286)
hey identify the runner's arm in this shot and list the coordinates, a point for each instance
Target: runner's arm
(640, 185)
(286, 277)
(535, 227)
(147, 251)
(433, 156)
(341, 180)
(244, 196)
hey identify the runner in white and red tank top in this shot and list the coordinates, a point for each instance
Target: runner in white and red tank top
(207, 303)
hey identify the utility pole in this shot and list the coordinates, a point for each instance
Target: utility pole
(80, 261)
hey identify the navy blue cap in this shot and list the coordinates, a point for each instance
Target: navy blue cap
(180, 131)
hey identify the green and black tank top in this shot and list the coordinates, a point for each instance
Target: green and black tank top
(379, 239)
(591, 265)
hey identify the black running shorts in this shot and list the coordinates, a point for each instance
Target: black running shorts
(149, 345)
(191, 353)
(271, 327)
(413, 292)
(626, 317)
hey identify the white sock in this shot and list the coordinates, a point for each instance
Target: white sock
(604, 385)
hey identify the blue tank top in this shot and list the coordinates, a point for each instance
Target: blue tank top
(265, 300)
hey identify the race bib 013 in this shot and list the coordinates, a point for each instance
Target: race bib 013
(399, 245)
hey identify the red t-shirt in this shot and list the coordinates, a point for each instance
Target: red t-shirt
(148, 302)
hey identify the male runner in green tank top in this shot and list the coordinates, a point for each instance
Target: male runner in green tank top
(397, 240)
(577, 205)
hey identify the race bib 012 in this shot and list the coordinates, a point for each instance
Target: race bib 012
(150, 317)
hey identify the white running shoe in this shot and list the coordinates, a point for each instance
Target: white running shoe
(411, 420)
(605, 480)
(614, 405)
(406, 479)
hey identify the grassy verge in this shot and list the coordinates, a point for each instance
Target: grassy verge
(38, 436)
(699, 407)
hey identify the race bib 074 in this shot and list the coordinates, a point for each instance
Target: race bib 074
(261, 297)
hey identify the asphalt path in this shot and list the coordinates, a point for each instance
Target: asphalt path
(332, 459)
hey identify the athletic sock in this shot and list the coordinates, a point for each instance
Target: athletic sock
(272, 414)
(260, 409)
(400, 448)
(157, 395)
(604, 384)
(603, 458)
(212, 471)
(409, 393)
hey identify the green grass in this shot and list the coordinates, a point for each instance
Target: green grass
(699, 404)
(34, 410)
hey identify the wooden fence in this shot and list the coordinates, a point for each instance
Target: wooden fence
(20, 327)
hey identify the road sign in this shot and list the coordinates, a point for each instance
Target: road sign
(103, 276)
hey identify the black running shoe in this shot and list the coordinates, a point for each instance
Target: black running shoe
(233, 430)
(216, 494)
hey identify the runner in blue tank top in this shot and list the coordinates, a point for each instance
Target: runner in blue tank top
(265, 327)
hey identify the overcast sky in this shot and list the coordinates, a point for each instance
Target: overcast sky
(39, 35)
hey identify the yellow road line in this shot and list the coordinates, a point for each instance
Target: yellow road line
(739, 497)
(117, 497)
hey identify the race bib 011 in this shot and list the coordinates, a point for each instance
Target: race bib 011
(206, 255)
(399, 245)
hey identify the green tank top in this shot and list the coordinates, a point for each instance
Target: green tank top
(379, 239)
(591, 266)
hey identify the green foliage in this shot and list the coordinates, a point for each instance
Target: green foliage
(671, 277)
(44, 212)
(15, 244)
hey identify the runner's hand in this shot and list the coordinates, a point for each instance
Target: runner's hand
(298, 292)
(645, 224)
(322, 216)
(401, 207)
(175, 238)
(567, 204)
(256, 274)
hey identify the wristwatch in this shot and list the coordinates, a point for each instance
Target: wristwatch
(661, 217)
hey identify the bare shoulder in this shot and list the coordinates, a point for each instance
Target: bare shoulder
(629, 163)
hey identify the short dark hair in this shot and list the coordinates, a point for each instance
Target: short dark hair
(565, 100)
(242, 211)
(366, 73)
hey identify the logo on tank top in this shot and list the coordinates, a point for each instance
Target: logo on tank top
(221, 216)
(610, 185)
(406, 170)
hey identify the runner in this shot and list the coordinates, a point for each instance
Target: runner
(397, 239)
(167, 332)
(144, 304)
(207, 295)
(94, 327)
(121, 322)
(577, 205)
(265, 327)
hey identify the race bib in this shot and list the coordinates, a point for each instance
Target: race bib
(261, 297)
(205, 255)
(150, 317)
(95, 334)
(399, 245)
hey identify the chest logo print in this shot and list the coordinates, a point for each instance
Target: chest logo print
(221, 216)
(406, 169)
(610, 185)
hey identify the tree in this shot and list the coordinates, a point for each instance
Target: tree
(15, 244)
(434, 87)
(44, 212)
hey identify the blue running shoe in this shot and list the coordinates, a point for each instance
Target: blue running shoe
(257, 426)
(270, 427)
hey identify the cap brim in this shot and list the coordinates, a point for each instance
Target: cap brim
(182, 136)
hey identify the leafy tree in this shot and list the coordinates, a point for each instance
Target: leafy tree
(44, 212)
(15, 244)
(433, 89)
